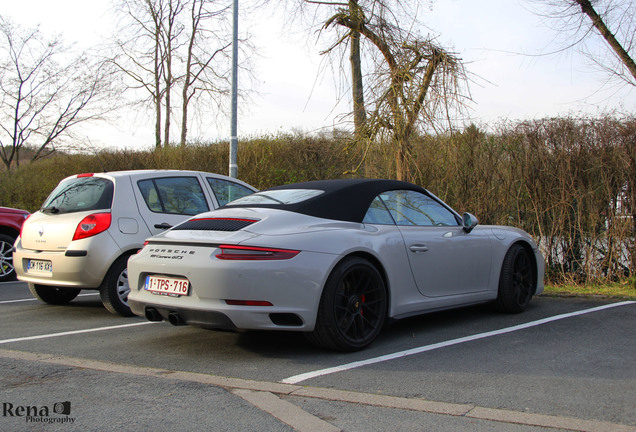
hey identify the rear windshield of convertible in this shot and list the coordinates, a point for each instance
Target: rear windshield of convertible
(282, 196)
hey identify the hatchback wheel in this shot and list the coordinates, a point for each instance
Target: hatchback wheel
(7, 271)
(352, 308)
(114, 289)
(53, 295)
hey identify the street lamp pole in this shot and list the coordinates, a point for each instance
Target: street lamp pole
(234, 130)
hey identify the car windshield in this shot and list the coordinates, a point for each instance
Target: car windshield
(80, 194)
(280, 196)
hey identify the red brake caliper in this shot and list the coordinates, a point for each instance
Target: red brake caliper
(363, 299)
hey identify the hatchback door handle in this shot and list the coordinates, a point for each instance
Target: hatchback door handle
(163, 226)
(418, 248)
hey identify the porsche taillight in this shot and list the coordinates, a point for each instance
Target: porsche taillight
(92, 225)
(253, 253)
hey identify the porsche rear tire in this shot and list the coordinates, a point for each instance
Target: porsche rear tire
(518, 280)
(352, 308)
(53, 295)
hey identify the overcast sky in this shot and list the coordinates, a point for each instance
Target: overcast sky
(500, 42)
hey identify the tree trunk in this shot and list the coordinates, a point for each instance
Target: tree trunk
(185, 98)
(359, 111)
(597, 21)
(184, 118)
(357, 87)
(157, 93)
(166, 127)
(157, 101)
(402, 169)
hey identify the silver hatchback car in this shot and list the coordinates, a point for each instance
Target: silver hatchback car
(91, 224)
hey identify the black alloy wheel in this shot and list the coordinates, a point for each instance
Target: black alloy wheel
(352, 308)
(518, 280)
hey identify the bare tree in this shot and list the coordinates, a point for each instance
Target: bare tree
(415, 87)
(171, 30)
(614, 21)
(174, 45)
(414, 82)
(199, 76)
(352, 40)
(140, 54)
(45, 92)
(355, 58)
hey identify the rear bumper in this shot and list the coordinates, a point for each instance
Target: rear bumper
(291, 287)
(225, 318)
(177, 316)
(84, 267)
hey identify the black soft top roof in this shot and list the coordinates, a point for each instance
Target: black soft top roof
(344, 200)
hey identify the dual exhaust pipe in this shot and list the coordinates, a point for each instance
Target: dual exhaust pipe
(174, 318)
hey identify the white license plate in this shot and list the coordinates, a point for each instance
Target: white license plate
(39, 266)
(166, 285)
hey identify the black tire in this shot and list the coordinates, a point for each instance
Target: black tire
(7, 270)
(352, 308)
(518, 280)
(114, 289)
(53, 295)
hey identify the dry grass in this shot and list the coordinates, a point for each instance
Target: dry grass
(624, 290)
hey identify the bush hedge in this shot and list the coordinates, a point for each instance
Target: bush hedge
(570, 182)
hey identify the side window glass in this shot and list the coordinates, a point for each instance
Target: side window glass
(226, 191)
(414, 208)
(151, 197)
(378, 214)
(174, 195)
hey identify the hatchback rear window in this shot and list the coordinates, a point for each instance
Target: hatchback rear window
(80, 194)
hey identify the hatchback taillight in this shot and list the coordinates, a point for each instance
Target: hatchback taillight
(22, 227)
(92, 225)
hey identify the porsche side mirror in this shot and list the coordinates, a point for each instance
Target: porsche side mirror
(470, 222)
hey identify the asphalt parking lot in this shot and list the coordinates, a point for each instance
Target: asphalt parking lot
(564, 364)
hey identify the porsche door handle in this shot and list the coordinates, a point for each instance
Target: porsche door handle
(418, 248)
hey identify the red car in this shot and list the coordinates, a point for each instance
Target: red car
(11, 221)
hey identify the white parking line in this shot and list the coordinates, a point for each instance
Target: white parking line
(34, 299)
(308, 375)
(75, 332)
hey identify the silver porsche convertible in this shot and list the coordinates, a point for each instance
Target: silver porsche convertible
(335, 259)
